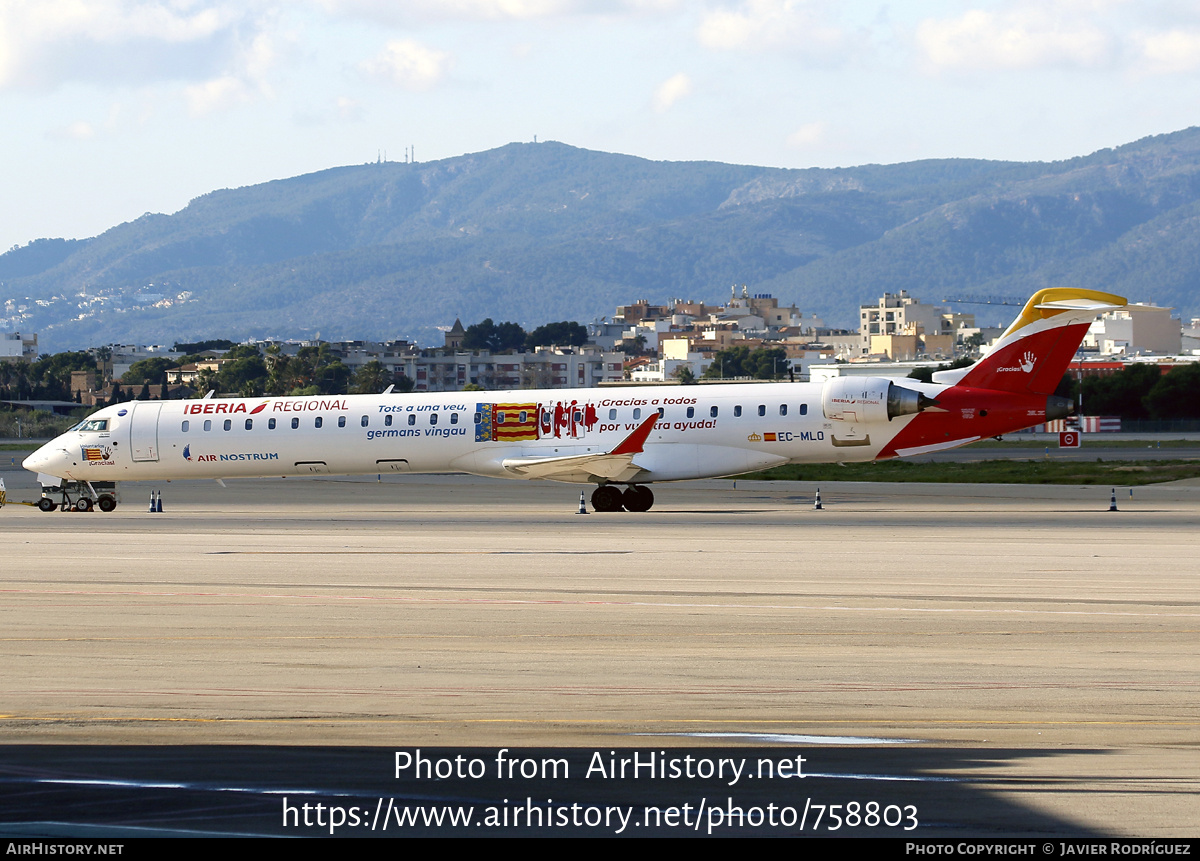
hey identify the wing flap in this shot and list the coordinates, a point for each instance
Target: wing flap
(615, 465)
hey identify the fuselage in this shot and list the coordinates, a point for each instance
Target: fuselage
(702, 431)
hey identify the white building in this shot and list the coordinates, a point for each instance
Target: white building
(1136, 328)
(898, 314)
(17, 347)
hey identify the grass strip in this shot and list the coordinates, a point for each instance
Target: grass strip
(1112, 472)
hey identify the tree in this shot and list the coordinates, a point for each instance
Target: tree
(152, 370)
(564, 334)
(765, 363)
(494, 337)
(974, 342)
(246, 375)
(371, 378)
(1120, 394)
(242, 351)
(1175, 395)
(201, 346)
(685, 375)
(635, 346)
(50, 376)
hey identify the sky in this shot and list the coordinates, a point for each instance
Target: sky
(113, 108)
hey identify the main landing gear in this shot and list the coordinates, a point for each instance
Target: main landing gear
(635, 497)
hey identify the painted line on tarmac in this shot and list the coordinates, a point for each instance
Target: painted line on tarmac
(243, 596)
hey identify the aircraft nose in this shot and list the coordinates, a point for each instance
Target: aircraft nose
(44, 459)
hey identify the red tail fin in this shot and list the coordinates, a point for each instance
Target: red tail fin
(1034, 352)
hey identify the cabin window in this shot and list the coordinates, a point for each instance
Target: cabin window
(783, 409)
(661, 412)
(387, 420)
(249, 424)
(412, 418)
(453, 418)
(804, 409)
(433, 418)
(712, 411)
(612, 415)
(295, 423)
(228, 424)
(364, 421)
(318, 421)
(341, 421)
(478, 417)
(691, 412)
(637, 413)
(186, 425)
(270, 424)
(208, 424)
(737, 411)
(762, 409)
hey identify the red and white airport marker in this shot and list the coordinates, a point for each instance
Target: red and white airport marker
(1068, 439)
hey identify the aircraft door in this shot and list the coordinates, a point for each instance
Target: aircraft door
(143, 431)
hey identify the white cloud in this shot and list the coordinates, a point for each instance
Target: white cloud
(46, 42)
(394, 12)
(807, 135)
(216, 95)
(80, 130)
(408, 64)
(348, 109)
(410, 12)
(1169, 51)
(1149, 36)
(672, 90)
(757, 24)
(1020, 37)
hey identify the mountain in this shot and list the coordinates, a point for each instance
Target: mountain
(542, 232)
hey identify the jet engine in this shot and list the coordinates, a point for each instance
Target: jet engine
(870, 399)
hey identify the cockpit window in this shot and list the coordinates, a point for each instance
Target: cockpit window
(93, 425)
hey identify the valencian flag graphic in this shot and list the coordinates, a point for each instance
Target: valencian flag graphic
(506, 422)
(90, 453)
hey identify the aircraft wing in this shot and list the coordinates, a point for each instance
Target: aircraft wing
(615, 465)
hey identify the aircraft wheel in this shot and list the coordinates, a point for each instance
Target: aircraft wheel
(107, 503)
(46, 504)
(83, 504)
(638, 497)
(607, 498)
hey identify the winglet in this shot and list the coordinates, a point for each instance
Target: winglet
(633, 443)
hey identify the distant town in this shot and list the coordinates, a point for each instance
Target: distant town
(679, 342)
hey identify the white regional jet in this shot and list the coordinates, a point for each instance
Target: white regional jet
(619, 439)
